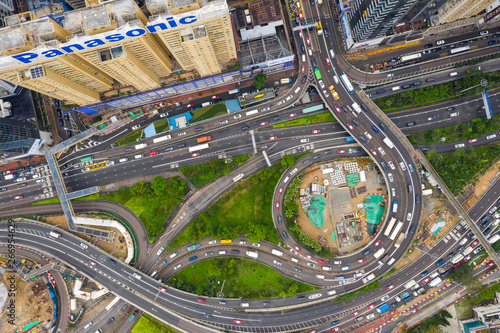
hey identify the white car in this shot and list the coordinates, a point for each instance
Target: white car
(440, 42)
(41, 180)
(393, 192)
(84, 246)
(237, 116)
(160, 251)
(163, 115)
(256, 244)
(454, 114)
(223, 122)
(212, 242)
(380, 149)
(321, 84)
(325, 93)
(460, 145)
(37, 175)
(391, 179)
(177, 267)
(181, 134)
(492, 136)
(391, 165)
(281, 102)
(483, 33)
(402, 165)
(368, 135)
(276, 262)
(135, 127)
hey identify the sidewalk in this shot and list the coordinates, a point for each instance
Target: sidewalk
(36, 159)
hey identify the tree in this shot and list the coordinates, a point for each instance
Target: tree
(259, 80)
(159, 185)
(463, 274)
(287, 161)
(496, 246)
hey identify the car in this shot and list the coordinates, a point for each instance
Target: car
(237, 116)
(311, 264)
(277, 205)
(341, 151)
(483, 33)
(391, 179)
(313, 331)
(456, 265)
(163, 289)
(41, 180)
(200, 300)
(377, 243)
(280, 190)
(463, 42)
(436, 49)
(375, 129)
(93, 263)
(17, 197)
(327, 61)
(467, 258)
(195, 154)
(321, 261)
(264, 123)
(359, 261)
(336, 329)
(300, 34)
(492, 42)
(381, 151)
(291, 115)
(389, 287)
(474, 243)
(440, 42)
(391, 165)
(355, 313)
(154, 152)
(316, 131)
(428, 46)
(214, 97)
(298, 270)
(411, 123)
(427, 52)
(303, 70)
(414, 310)
(297, 248)
(454, 114)
(237, 321)
(280, 102)
(190, 105)
(371, 306)
(491, 263)
(223, 122)
(181, 133)
(472, 140)
(350, 126)
(426, 280)
(308, 256)
(460, 145)
(273, 137)
(373, 152)
(337, 109)
(61, 122)
(431, 118)
(491, 136)
(308, 41)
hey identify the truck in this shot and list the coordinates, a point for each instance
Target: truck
(335, 95)
(286, 80)
(400, 240)
(252, 254)
(193, 247)
(356, 107)
(405, 295)
(204, 139)
(11, 176)
(468, 250)
(276, 252)
(132, 316)
(319, 28)
(435, 282)
(388, 143)
(55, 234)
(368, 278)
(410, 284)
(141, 146)
(384, 307)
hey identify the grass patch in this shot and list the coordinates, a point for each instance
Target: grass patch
(244, 278)
(463, 309)
(352, 295)
(208, 112)
(463, 166)
(315, 118)
(161, 125)
(204, 173)
(132, 138)
(150, 324)
(94, 196)
(463, 131)
(152, 202)
(432, 324)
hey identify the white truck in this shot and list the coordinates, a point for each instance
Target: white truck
(356, 107)
(55, 234)
(252, 254)
(276, 252)
(141, 146)
(11, 176)
(435, 282)
(388, 143)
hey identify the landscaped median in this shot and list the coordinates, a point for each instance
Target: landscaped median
(315, 118)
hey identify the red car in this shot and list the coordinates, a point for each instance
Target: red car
(308, 256)
(472, 140)
(426, 280)
(195, 154)
(291, 115)
(351, 127)
(308, 41)
(475, 242)
(355, 313)
(17, 197)
(377, 243)
(313, 331)
(200, 300)
(190, 105)
(154, 152)
(467, 258)
(336, 329)
(93, 263)
(341, 151)
(303, 70)
(297, 248)
(456, 265)
(300, 33)
(371, 306)
(337, 109)
(8, 172)
(280, 190)
(316, 131)
(373, 152)
(264, 123)
(359, 261)
(277, 205)
(327, 61)
(236, 321)
(214, 97)
(491, 262)
(273, 137)
(163, 289)
(389, 287)
(414, 310)
(321, 261)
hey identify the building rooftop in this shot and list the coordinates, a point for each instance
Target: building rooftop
(95, 18)
(182, 3)
(11, 38)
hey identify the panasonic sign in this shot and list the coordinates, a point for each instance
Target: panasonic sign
(29, 57)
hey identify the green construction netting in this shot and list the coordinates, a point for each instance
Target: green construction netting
(332, 234)
(375, 207)
(436, 227)
(352, 179)
(101, 126)
(315, 211)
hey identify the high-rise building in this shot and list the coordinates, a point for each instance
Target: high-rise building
(453, 10)
(370, 19)
(16, 137)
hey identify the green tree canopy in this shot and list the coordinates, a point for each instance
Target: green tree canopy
(259, 80)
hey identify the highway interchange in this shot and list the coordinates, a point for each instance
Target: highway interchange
(144, 293)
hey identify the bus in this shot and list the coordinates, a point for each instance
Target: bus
(411, 57)
(388, 230)
(162, 138)
(396, 230)
(318, 74)
(198, 147)
(110, 305)
(226, 241)
(459, 49)
(240, 176)
(313, 108)
(347, 84)
(368, 278)
(349, 139)
(86, 159)
(249, 113)
(379, 253)
(457, 258)
(234, 91)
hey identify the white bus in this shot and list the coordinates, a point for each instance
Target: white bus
(198, 147)
(249, 113)
(396, 230)
(162, 138)
(379, 253)
(388, 230)
(457, 258)
(347, 84)
(411, 57)
(110, 305)
(234, 91)
(276, 252)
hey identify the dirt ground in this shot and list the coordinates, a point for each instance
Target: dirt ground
(29, 307)
(484, 180)
(339, 202)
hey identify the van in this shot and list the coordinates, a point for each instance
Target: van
(336, 79)
(303, 58)
(331, 292)
(319, 276)
(206, 104)
(310, 52)
(454, 74)
(154, 273)
(395, 88)
(245, 305)
(463, 241)
(173, 255)
(304, 140)
(332, 54)
(296, 90)
(139, 156)
(410, 189)
(222, 252)
(433, 275)
(327, 268)
(345, 268)
(286, 179)
(294, 260)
